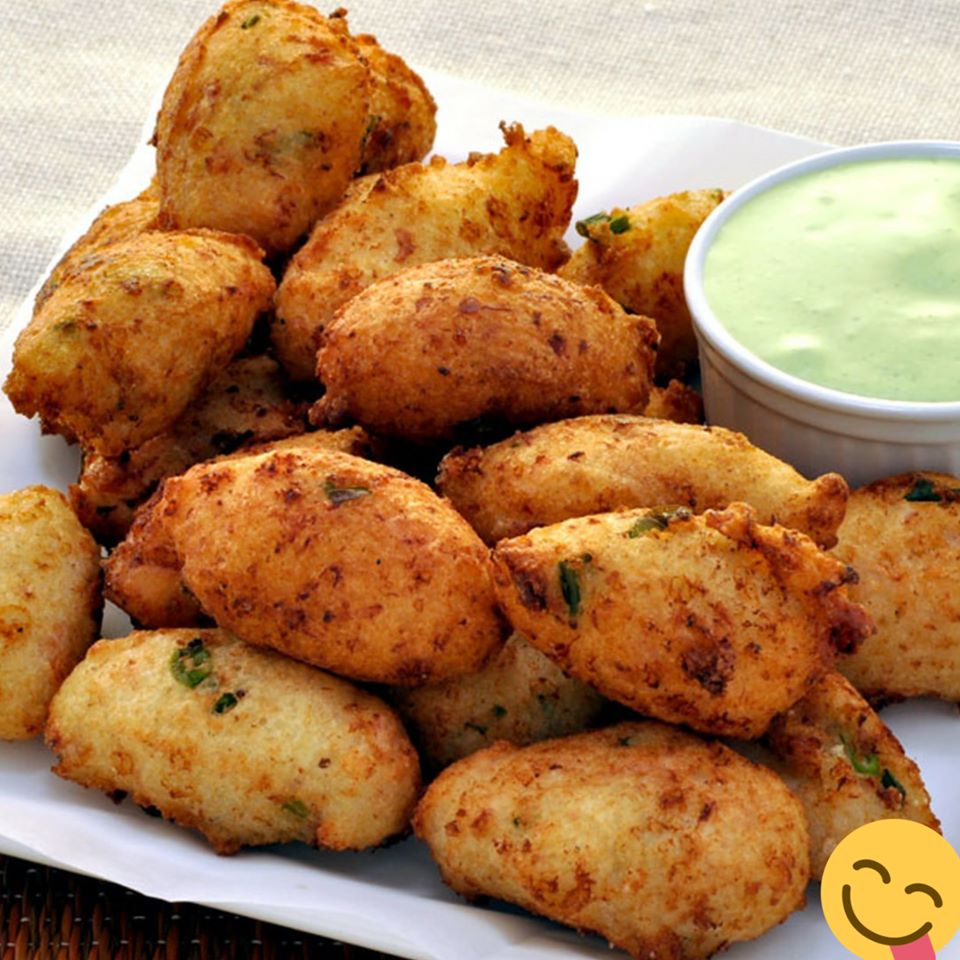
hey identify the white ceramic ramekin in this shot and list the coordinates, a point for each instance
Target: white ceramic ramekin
(814, 428)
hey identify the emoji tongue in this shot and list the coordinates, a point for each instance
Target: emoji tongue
(919, 949)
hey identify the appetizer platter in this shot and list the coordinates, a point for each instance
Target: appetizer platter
(526, 573)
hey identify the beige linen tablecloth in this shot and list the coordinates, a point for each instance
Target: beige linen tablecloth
(77, 78)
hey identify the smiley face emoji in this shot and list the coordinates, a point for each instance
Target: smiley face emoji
(891, 889)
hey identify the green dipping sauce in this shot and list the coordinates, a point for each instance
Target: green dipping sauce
(849, 278)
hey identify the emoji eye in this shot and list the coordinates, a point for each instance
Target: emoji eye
(929, 891)
(884, 874)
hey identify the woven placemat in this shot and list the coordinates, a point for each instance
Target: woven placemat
(48, 914)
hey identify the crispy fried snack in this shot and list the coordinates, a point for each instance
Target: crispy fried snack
(143, 572)
(262, 125)
(677, 402)
(122, 221)
(515, 203)
(668, 846)
(419, 354)
(244, 745)
(714, 621)
(902, 535)
(337, 561)
(402, 121)
(845, 765)
(518, 695)
(245, 405)
(594, 464)
(637, 256)
(116, 353)
(50, 604)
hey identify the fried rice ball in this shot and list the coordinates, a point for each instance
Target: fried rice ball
(122, 221)
(244, 745)
(50, 604)
(419, 354)
(515, 203)
(637, 256)
(402, 121)
(845, 765)
(335, 560)
(669, 846)
(713, 621)
(262, 125)
(599, 463)
(247, 404)
(117, 353)
(903, 536)
(518, 695)
(143, 572)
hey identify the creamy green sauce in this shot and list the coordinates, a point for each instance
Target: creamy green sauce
(849, 278)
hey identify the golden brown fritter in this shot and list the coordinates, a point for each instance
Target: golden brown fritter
(846, 766)
(903, 536)
(246, 405)
(518, 695)
(669, 846)
(244, 745)
(419, 354)
(262, 125)
(402, 121)
(143, 572)
(337, 561)
(716, 621)
(637, 256)
(117, 353)
(677, 402)
(50, 604)
(515, 203)
(594, 464)
(122, 221)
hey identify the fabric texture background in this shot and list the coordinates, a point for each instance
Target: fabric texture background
(77, 79)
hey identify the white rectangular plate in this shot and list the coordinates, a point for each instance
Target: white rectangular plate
(393, 900)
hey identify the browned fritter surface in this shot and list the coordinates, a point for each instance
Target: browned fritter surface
(262, 124)
(518, 695)
(421, 353)
(599, 463)
(246, 405)
(50, 603)
(716, 621)
(515, 203)
(118, 351)
(640, 264)
(846, 766)
(244, 745)
(903, 536)
(676, 402)
(669, 846)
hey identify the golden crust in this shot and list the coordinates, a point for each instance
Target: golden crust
(337, 561)
(50, 604)
(261, 127)
(515, 203)
(676, 402)
(402, 121)
(116, 353)
(122, 221)
(518, 695)
(669, 846)
(907, 554)
(599, 463)
(642, 267)
(846, 766)
(143, 572)
(716, 622)
(418, 354)
(244, 745)
(244, 406)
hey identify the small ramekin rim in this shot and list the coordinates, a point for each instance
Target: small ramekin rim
(708, 326)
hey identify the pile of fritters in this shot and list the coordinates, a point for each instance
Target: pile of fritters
(351, 419)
